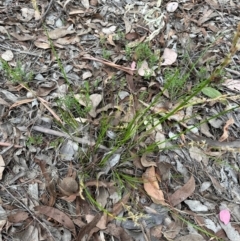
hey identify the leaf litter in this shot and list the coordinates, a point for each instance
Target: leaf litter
(88, 50)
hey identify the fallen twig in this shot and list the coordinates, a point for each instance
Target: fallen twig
(61, 134)
(126, 69)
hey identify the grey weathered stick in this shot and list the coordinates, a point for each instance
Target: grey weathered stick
(61, 134)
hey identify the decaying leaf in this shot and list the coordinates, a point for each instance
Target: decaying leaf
(183, 192)
(58, 215)
(225, 130)
(151, 186)
(18, 217)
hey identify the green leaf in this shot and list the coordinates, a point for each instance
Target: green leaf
(211, 92)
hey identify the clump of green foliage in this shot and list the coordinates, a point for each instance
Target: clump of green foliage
(144, 52)
(175, 82)
(106, 54)
(34, 140)
(16, 74)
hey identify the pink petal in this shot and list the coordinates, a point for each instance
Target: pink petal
(133, 65)
(225, 216)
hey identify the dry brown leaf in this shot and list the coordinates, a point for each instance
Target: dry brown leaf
(132, 36)
(23, 37)
(206, 16)
(2, 166)
(68, 186)
(151, 186)
(18, 217)
(86, 230)
(147, 163)
(102, 223)
(183, 192)
(57, 215)
(68, 40)
(117, 232)
(225, 130)
(45, 88)
(20, 102)
(41, 44)
(59, 33)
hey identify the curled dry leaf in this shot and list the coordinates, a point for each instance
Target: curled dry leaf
(68, 186)
(57, 215)
(147, 163)
(151, 186)
(183, 192)
(225, 130)
(169, 56)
